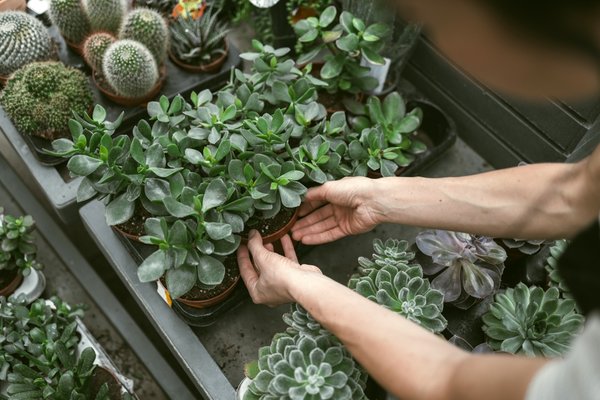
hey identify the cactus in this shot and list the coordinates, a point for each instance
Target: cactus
(129, 68)
(95, 47)
(71, 19)
(105, 15)
(41, 97)
(150, 29)
(23, 39)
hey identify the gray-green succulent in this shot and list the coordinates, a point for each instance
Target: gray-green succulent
(391, 252)
(150, 29)
(300, 322)
(556, 251)
(527, 247)
(17, 244)
(71, 19)
(130, 69)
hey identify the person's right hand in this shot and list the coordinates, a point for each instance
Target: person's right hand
(337, 209)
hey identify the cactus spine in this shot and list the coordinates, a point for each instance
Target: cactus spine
(95, 47)
(130, 69)
(23, 39)
(105, 15)
(150, 29)
(71, 19)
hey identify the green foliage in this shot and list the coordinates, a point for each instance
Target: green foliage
(130, 69)
(105, 15)
(23, 40)
(71, 19)
(317, 5)
(556, 251)
(198, 41)
(527, 247)
(300, 322)
(17, 244)
(41, 97)
(391, 252)
(406, 292)
(532, 322)
(95, 47)
(150, 29)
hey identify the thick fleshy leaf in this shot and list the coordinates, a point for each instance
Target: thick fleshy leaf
(210, 270)
(180, 280)
(119, 210)
(81, 165)
(153, 267)
(215, 195)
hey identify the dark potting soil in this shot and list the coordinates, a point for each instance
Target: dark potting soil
(271, 225)
(7, 277)
(135, 225)
(332, 102)
(231, 274)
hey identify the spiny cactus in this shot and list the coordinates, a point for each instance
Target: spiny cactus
(71, 19)
(41, 97)
(150, 29)
(105, 15)
(130, 69)
(95, 47)
(23, 39)
(395, 252)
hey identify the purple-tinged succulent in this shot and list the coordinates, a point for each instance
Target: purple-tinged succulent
(469, 263)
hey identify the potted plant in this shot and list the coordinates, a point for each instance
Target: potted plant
(24, 40)
(199, 44)
(6, 5)
(391, 252)
(17, 251)
(41, 97)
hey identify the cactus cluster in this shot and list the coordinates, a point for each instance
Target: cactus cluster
(105, 15)
(130, 69)
(41, 97)
(23, 39)
(150, 29)
(71, 19)
(95, 47)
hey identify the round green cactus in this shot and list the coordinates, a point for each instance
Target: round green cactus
(532, 322)
(405, 292)
(23, 39)
(150, 29)
(71, 19)
(41, 97)
(130, 69)
(95, 47)
(105, 15)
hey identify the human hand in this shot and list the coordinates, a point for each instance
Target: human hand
(337, 209)
(270, 279)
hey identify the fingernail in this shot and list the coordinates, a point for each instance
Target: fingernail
(253, 232)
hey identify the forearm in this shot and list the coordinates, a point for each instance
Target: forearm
(529, 202)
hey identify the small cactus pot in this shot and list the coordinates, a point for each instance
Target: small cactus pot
(132, 102)
(211, 67)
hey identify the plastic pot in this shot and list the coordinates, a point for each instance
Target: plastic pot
(12, 283)
(242, 389)
(32, 286)
(211, 67)
(132, 102)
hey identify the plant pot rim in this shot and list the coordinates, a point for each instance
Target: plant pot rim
(281, 232)
(77, 48)
(129, 236)
(130, 102)
(213, 300)
(12, 285)
(210, 67)
(243, 388)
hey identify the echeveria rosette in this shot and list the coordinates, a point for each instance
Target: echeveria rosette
(556, 251)
(527, 247)
(532, 322)
(466, 262)
(303, 368)
(391, 252)
(405, 292)
(300, 322)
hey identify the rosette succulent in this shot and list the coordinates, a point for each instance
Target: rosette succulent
(527, 247)
(473, 264)
(392, 252)
(302, 367)
(300, 322)
(556, 251)
(405, 292)
(532, 322)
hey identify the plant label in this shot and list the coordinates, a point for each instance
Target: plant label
(264, 3)
(164, 293)
(379, 72)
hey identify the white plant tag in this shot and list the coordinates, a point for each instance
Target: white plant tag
(38, 6)
(164, 293)
(264, 3)
(379, 72)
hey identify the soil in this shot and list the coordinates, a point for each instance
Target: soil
(332, 102)
(271, 225)
(7, 277)
(231, 274)
(99, 378)
(135, 225)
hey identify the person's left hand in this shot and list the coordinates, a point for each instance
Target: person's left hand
(272, 276)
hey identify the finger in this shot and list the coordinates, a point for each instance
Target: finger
(269, 246)
(318, 193)
(288, 248)
(324, 237)
(309, 206)
(256, 247)
(319, 227)
(314, 217)
(310, 268)
(247, 271)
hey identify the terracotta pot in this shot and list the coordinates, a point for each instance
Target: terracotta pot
(3, 79)
(12, 285)
(6, 5)
(303, 12)
(281, 232)
(207, 68)
(129, 102)
(213, 300)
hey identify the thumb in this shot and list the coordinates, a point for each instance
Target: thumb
(319, 193)
(255, 245)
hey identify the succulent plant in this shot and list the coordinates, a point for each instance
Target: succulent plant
(528, 247)
(23, 40)
(391, 252)
(105, 15)
(150, 29)
(532, 322)
(405, 292)
(556, 251)
(95, 47)
(17, 244)
(198, 41)
(305, 368)
(466, 262)
(41, 97)
(165, 7)
(130, 69)
(71, 19)
(300, 322)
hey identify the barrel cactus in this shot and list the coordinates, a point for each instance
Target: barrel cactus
(95, 47)
(150, 29)
(71, 19)
(395, 252)
(41, 97)
(105, 15)
(532, 322)
(405, 292)
(23, 39)
(130, 69)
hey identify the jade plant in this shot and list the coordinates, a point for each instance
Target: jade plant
(105, 15)
(351, 46)
(71, 19)
(391, 252)
(531, 321)
(17, 244)
(41, 97)
(23, 40)
(149, 28)
(468, 265)
(406, 292)
(95, 47)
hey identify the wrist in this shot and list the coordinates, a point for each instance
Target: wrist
(302, 283)
(378, 198)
